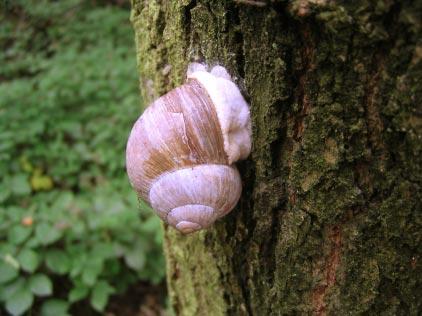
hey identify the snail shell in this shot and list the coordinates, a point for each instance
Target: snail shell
(180, 152)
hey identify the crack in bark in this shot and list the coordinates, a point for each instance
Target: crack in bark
(238, 38)
(372, 111)
(187, 16)
(239, 263)
(363, 169)
(302, 95)
(329, 271)
(375, 124)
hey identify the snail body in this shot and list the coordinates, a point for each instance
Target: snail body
(180, 152)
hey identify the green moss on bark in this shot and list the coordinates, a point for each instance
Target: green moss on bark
(329, 221)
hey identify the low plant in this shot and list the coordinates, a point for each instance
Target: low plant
(71, 228)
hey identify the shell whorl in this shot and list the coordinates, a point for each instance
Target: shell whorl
(178, 130)
(198, 195)
(180, 152)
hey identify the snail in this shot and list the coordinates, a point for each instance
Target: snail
(181, 151)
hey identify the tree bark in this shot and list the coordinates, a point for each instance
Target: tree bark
(329, 222)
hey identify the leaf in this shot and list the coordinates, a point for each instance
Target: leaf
(78, 263)
(20, 185)
(7, 272)
(54, 307)
(8, 290)
(19, 302)
(4, 192)
(58, 261)
(15, 213)
(9, 259)
(103, 250)
(29, 260)
(100, 294)
(92, 270)
(47, 233)
(6, 248)
(40, 285)
(135, 258)
(63, 201)
(78, 292)
(18, 234)
(89, 275)
(41, 182)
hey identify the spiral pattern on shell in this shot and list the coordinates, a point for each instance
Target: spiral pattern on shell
(178, 156)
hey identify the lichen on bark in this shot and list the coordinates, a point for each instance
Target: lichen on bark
(329, 221)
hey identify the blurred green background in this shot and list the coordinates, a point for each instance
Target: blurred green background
(74, 240)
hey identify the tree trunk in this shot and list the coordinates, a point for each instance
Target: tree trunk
(329, 222)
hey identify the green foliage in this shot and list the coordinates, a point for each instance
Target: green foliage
(70, 225)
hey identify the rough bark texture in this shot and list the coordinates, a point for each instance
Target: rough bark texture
(329, 222)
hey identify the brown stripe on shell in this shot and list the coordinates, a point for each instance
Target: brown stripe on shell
(178, 130)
